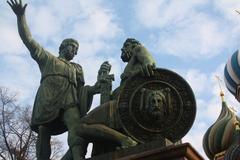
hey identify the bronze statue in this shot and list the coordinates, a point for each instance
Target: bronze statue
(62, 99)
(102, 123)
(150, 103)
(138, 59)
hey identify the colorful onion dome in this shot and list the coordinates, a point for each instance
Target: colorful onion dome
(222, 134)
(233, 153)
(232, 73)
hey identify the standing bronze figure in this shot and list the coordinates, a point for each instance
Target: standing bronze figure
(61, 99)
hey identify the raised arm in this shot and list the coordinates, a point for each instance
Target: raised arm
(23, 30)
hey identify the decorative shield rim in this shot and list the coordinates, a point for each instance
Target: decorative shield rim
(170, 133)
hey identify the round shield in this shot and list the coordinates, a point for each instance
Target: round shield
(157, 107)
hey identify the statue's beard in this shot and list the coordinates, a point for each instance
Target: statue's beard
(126, 56)
(155, 113)
(67, 56)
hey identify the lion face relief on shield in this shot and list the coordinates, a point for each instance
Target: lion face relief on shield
(155, 104)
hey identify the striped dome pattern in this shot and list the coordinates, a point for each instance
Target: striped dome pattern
(232, 73)
(233, 153)
(221, 135)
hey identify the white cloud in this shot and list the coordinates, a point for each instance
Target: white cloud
(10, 41)
(20, 76)
(197, 80)
(43, 22)
(199, 37)
(92, 23)
(227, 9)
(160, 13)
(190, 30)
(98, 24)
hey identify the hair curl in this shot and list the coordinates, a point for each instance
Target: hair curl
(132, 41)
(66, 42)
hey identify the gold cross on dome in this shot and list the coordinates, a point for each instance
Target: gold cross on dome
(219, 84)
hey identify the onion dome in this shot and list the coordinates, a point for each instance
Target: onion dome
(233, 152)
(232, 73)
(222, 134)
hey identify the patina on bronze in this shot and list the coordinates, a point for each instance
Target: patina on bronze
(62, 99)
(156, 107)
(150, 104)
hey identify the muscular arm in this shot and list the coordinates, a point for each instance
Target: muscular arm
(23, 30)
(25, 33)
(143, 55)
(146, 60)
(140, 62)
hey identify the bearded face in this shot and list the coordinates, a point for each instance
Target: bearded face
(156, 105)
(126, 51)
(69, 51)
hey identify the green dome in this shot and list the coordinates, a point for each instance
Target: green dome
(233, 153)
(222, 134)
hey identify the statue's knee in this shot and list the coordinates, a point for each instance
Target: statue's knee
(77, 129)
(75, 140)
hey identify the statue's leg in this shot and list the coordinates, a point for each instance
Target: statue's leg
(96, 132)
(77, 145)
(43, 147)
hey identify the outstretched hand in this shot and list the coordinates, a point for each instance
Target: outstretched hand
(17, 7)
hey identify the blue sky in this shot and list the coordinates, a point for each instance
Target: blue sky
(192, 38)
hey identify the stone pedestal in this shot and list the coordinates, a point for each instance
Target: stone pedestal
(152, 151)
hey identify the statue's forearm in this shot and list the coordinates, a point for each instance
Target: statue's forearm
(24, 32)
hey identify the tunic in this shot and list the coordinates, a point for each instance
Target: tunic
(105, 114)
(60, 85)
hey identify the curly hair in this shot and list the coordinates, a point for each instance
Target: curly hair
(66, 42)
(132, 40)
